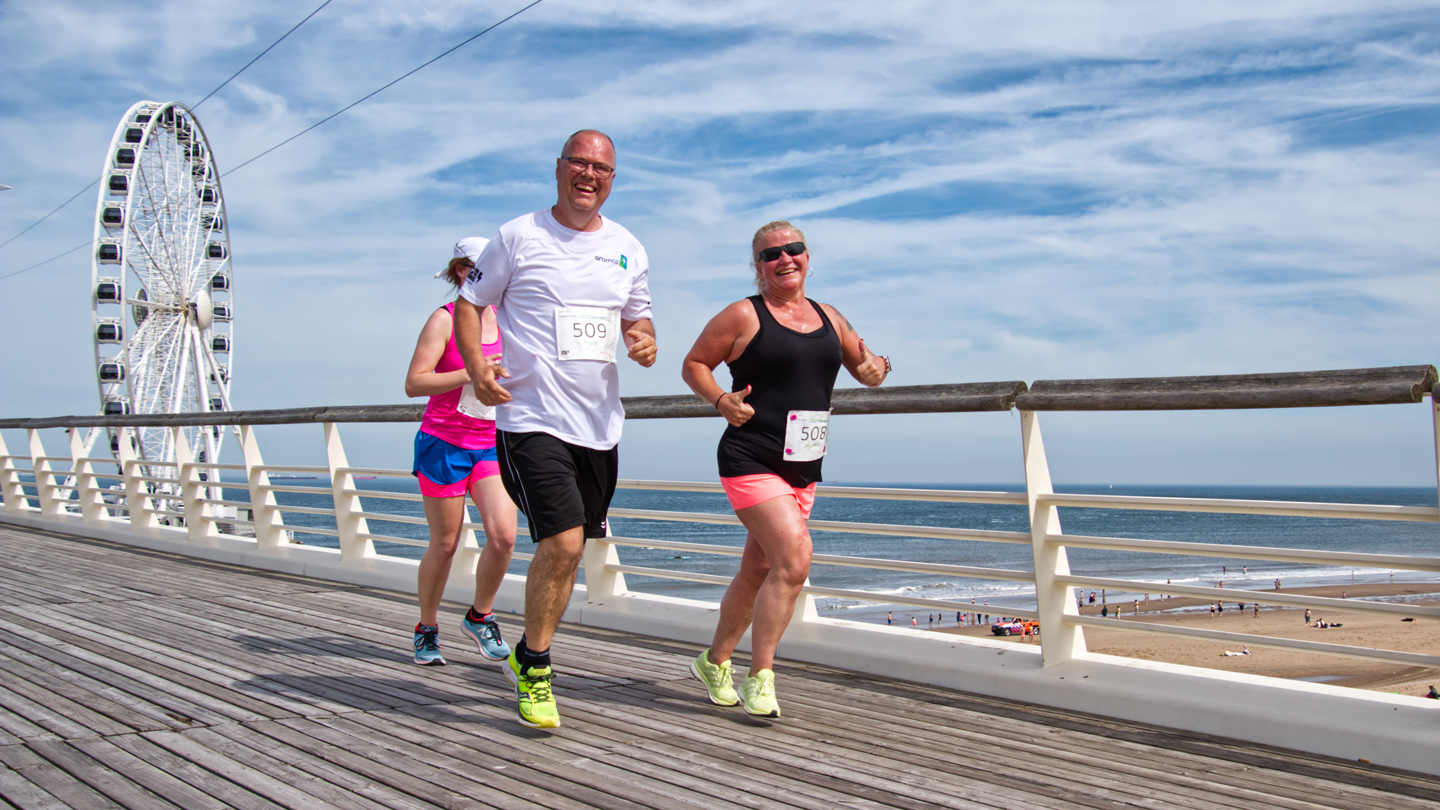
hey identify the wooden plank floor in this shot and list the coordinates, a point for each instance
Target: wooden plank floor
(136, 679)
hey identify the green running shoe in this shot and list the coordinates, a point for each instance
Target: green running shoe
(534, 699)
(760, 694)
(716, 678)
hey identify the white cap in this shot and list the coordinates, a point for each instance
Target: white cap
(468, 248)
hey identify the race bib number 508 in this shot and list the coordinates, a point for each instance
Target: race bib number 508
(806, 433)
(587, 333)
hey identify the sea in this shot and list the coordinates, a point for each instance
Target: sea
(1370, 536)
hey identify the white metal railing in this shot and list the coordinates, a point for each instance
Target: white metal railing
(809, 590)
(63, 484)
(192, 515)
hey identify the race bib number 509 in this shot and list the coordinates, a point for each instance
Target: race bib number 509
(587, 333)
(806, 433)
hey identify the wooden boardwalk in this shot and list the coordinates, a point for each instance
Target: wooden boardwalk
(137, 679)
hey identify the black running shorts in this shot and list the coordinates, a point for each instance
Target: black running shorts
(556, 484)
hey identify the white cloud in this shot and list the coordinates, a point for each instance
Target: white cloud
(992, 191)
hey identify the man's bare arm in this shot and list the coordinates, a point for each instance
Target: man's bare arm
(482, 372)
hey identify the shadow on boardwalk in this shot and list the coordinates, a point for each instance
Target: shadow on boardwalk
(136, 679)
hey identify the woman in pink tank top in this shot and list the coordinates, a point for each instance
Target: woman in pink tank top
(455, 456)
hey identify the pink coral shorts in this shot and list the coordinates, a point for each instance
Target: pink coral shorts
(481, 470)
(747, 490)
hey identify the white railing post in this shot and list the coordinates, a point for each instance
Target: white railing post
(92, 507)
(197, 526)
(601, 582)
(44, 479)
(1060, 640)
(266, 517)
(350, 527)
(1435, 406)
(467, 551)
(10, 483)
(805, 610)
(137, 494)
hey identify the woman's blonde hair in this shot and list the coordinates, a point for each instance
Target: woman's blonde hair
(765, 230)
(457, 271)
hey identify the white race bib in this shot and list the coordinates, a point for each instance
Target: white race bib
(471, 406)
(587, 333)
(805, 435)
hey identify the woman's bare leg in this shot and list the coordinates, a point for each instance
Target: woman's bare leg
(445, 516)
(773, 569)
(497, 515)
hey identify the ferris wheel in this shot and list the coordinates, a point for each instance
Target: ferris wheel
(161, 283)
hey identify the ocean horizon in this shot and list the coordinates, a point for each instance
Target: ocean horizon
(1321, 534)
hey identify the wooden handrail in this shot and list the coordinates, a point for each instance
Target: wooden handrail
(1303, 389)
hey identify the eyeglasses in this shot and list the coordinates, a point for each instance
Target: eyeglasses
(771, 254)
(578, 164)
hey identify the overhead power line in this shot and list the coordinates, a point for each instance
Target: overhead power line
(262, 53)
(329, 117)
(47, 216)
(370, 95)
(47, 261)
(197, 104)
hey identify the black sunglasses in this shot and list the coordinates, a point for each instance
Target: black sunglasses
(771, 254)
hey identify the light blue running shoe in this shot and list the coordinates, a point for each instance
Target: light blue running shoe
(486, 635)
(427, 646)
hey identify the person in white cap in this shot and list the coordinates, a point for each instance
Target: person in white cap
(569, 285)
(455, 456)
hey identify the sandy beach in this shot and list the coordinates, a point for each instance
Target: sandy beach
(1384, 631)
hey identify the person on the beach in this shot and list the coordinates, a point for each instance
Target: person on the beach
(455, 456)
(569, 284)
(784, 352)
(1307, 616)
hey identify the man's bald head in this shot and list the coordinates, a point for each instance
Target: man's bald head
(585, 133)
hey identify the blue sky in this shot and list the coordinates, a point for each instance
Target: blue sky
(991, 191)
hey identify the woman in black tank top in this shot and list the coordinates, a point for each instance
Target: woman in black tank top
(784, 352)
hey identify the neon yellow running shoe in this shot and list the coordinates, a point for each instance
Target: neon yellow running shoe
(760, 694)
(716, 678)
(534, 699)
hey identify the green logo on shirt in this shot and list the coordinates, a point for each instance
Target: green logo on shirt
(623, 261)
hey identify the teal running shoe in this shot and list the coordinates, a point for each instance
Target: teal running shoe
(534, 698)
(427, 646)
(486, 635)
(716, 678)
(760, 694)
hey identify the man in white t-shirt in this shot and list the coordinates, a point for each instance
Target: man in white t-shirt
(568, 286)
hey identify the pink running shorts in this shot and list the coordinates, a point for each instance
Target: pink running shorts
(747, 490)
(481, 470)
